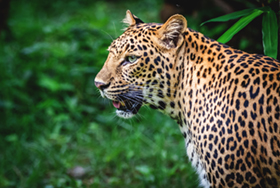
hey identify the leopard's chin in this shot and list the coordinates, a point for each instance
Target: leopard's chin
(127, 108)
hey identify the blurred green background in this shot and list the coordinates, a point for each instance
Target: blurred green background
(55, 129)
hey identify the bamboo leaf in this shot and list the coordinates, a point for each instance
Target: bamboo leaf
(240, 24)
(270, 34)
(230, 16)
(235, 15)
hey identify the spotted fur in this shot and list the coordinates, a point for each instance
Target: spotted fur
(226, 101)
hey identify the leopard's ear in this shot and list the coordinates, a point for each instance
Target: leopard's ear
(131, 19)
(171, 32)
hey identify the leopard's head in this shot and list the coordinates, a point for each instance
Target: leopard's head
(140, 63)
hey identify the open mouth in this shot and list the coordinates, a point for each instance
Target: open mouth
(127, 108)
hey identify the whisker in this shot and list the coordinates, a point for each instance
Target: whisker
(107, 34)
(136, 99)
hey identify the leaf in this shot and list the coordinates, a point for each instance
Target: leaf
(54, 85)
(240, 24)
(234, 15)
(145, 170)
(270, 34)
(230, 16)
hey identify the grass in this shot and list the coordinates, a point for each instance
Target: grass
(52, 117)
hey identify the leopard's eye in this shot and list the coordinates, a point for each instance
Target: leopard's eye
(132, 58)
(129, 60)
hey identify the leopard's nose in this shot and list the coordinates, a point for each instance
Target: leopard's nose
(101, 85)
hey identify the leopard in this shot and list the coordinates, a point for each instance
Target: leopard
(226, 101)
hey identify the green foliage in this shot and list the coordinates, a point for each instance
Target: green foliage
(269, 27)
(239, 25)
(231, 16)
(270, 33)
(52, 116)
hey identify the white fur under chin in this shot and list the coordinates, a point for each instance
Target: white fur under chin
(123, 114)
